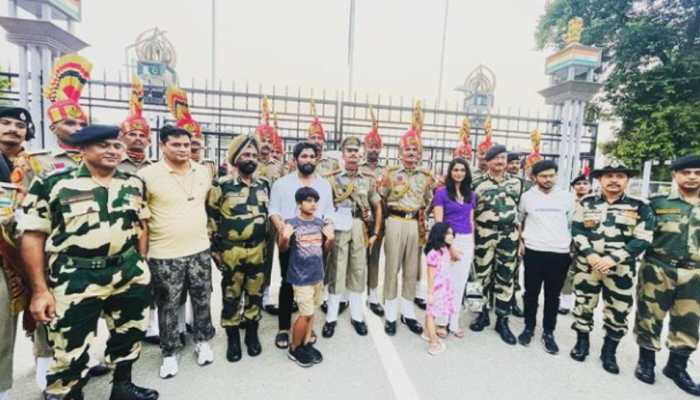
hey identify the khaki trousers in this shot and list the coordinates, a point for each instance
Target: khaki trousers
(350, 258)
(401, 254)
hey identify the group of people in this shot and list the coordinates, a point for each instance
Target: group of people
(97, 231)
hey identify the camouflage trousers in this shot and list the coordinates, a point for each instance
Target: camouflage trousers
(120, 294)
(173, 280)
(242, 272)
(617, 289)
(568, 287)
(269, 254)
(495, 259)
(661, 290)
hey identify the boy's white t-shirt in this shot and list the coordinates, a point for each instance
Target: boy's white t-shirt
(547, 218)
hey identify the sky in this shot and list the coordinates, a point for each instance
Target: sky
(303, 43)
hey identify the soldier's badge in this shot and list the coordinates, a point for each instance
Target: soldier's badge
(666, 211)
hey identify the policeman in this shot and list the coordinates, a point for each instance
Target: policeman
(610, 230)
(371, 165)
(90, 221)
(496, 240)
(237, 211)
(407, 191)
(669, 279)
(355, 199)
(135, 132)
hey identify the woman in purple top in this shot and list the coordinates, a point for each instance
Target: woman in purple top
(454, 204)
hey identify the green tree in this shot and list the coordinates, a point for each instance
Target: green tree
(651, 66)
(5, 85)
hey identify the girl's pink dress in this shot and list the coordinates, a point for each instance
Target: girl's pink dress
(443, 293)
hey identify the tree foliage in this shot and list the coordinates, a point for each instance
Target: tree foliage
(651, 67)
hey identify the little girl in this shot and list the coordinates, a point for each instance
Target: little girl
(440, 291)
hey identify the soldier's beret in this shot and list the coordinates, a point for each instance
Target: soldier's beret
(93, 134)
(21, 114)
(689, 161)
(513, 157)
(494, 151)
(578, 179)
(351, 142)
(544, 165)
(237, 145)
(613, 166)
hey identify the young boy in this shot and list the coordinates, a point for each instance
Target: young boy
(304, 236)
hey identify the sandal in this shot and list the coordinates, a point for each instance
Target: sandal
(436, 348)
(458, 333)
(441, 332)
(313, 338)
(282, 340)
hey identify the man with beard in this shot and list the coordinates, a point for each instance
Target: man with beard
(283, 207)
(496, 241)
(669, 279)
(135, 132)
(610, 230)
(355, 200)
(87, 224)
(407, 192)
(373, 148)
(237, 211)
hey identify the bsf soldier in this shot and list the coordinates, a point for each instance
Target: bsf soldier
(496, 240)
(135, 132)
(610, 230)
(482, 148)
(15, 126)
(669, 279)
(90, 221)
(371, 166)
(237, 210)
(355, 199)
(407, 191)
(317, 136)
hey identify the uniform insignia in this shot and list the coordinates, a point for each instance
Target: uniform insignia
(666, 211)
(77, 197)
(631, 214)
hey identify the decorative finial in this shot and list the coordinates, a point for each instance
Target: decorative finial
(574, 31)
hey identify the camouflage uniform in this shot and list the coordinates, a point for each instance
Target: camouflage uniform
(497, 232)
(669, 277)
(621, 230)
(373, 253)
(94, 268)
(406, 194)
(238, 228)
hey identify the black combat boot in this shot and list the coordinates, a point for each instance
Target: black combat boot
(645, 366)
(580, 350)
(124, 389)
(251, 339)
(607, 355)
(233, 351)
(481, 321)
(504, 330)
(676, 371)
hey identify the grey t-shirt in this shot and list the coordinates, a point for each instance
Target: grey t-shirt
(305, 252)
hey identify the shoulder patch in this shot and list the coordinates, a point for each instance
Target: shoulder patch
(333, 172)
(38, 153)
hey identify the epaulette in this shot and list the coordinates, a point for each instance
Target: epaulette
(223, 179)
(38, 153)
(588, 197)
(61, 171)
(637, 198)
(331, 173)
(658, 195)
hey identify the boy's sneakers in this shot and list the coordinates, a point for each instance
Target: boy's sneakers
(168, 368)
(204, 353)
(301, 355)
(316, 356)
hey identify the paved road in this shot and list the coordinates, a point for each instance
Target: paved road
(379, 367)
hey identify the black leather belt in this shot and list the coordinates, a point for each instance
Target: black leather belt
(403, 214)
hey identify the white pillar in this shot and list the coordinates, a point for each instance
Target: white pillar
(35, 61)
(46, 65)
(23, 76)
(12, 8)
(565, 118)
(581, 105)
(45, 13)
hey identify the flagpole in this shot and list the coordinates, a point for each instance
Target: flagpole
(351, 47)
(442, 54)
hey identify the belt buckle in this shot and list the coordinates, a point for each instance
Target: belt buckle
(411, 215)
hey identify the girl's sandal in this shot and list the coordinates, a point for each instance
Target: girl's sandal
(282, 340)
(436, 348)
(313, 338)
(458, 333)
(441, 332)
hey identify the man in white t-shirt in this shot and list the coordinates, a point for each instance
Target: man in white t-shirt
(546, 211)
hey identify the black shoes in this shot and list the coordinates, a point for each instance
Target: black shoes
(580, 350)
(360, 327)
(526, 337)
(645, 366)
(390, 328)
(252, 342)
(420, 303)
(233, 351)
(676, 370)
(377, 309)
(504, 330)
(550, 345)
(413, 325)
(152, 339)
(129, 391)
(98, 370)
(607, 356)
(328, 329)
(316, 356)
(271, 309)
(302, 356)
(481, 321)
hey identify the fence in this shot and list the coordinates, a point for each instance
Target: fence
(225, 113)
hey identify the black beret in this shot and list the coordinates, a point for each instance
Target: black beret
(578, 179)
(21, 114)
(689, 161)
(543, 166)
(93, 134)
(494, 151)
(614, 166)
(513, 156)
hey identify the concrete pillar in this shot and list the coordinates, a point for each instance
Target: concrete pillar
(12, 8)
(35, 62)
